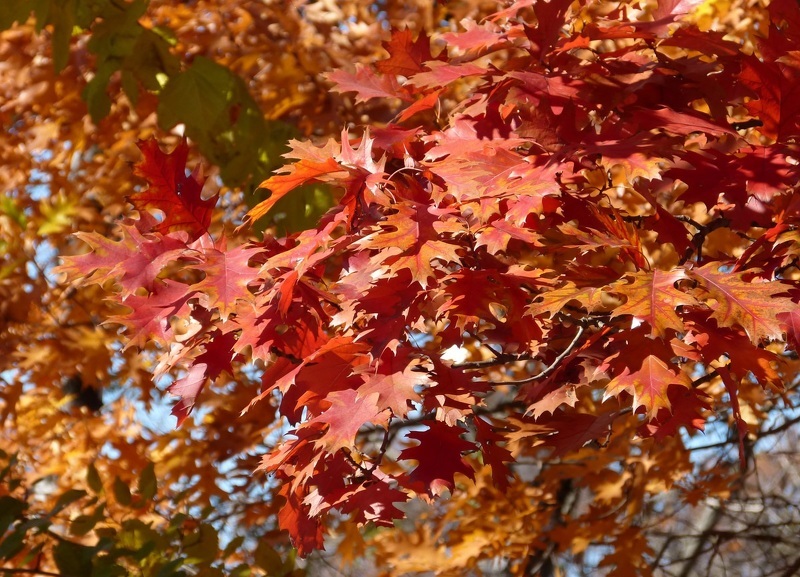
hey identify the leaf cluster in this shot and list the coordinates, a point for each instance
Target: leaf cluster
(596, 243)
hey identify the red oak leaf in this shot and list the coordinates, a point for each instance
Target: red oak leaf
(409, 240)
(776, 82)
(767, 170)
(218, 353)
(170, 191)
(476, 38)
(497, 234)
(394, 381)
(651, 297)
(643, 369)
(373, 503)
(790, 321)
(150, 315)
(188, 388)
(440, 74)
(406, 56)
(367, 84)
(714, 342)
(667, 8)
(346, 414)
(314, 165)
(135, 261)
(306, 532)
(680, 123)
(438, 457)
(226, 278)
(550, 18)
(425, 103)
(688, 408)
(494, 455)
(754, 306)
(571, 431)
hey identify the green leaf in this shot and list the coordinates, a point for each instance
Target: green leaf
(130, 86)
(10, 207)
(139, 538)
(62, 17)
(72, 559)
(58, 214)
(13, 543)
(149, 62)
(121, 43)
(170, 569)
(202, 545)
(196, 97)
(122, 493)
(233, 546)
(301, 209)
(10, 510)
(66, 499)
(41, 524)
(95, 94)
(106, 533)
(177, 520)
(241, 571)
(223, 119)
(93, 479)
(29, 558)
(147, 482)
(12, 11)
(105, 567)
(82, 524)
(269, 560)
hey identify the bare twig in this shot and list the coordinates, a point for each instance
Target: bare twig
(381, 452)
(703, 230)
(4, 571)
(552, 366)
(499, 359)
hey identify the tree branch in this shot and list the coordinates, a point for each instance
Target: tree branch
(499, 359)
(552, 366)
(699, 238)
(28, 572)
(793, 569)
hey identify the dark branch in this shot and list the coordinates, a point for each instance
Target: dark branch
(28, 572)
(552, 366)
(745, 124)
(499, 359)
(703, 230)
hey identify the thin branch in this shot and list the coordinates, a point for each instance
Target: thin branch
(699, 239)
(552, 366)
(788, 424)
(760, 435)
(381, 452)
(349, 458)
(28, 572)
(726, 535)
(709, 520)
(319, 556)
(745, 124)
(794, 569)
(499, 359)
(689, 220)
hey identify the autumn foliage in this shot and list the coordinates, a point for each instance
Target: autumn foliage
(601, 226)
(569, 248)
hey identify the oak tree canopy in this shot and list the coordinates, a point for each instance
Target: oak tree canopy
(532, 311)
